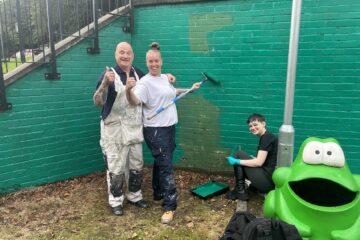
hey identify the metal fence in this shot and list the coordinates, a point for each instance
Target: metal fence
(30, 28)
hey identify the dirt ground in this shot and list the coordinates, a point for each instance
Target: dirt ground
(78, 209)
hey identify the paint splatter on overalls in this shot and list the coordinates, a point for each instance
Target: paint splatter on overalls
(121, 143)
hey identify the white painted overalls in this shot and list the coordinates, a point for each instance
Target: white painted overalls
(121, 143)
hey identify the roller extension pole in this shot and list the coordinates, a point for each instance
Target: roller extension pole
(286, 132)
(162, 108)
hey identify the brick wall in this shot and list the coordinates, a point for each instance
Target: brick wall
(52, 132)
(244, 45)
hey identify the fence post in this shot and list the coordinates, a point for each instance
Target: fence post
(129, 26)
(20, 32)
(61, 20)
(4, 105)
(54, 74)
(95, 49)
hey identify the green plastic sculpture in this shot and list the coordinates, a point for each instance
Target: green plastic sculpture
(318, 193)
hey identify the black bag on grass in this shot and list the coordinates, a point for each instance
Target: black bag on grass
(235, 228)
(245, 226)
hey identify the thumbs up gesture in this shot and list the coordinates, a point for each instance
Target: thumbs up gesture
(130, 81)
(109, 76)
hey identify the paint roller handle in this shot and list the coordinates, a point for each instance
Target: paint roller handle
(193, 88)
(162, 108)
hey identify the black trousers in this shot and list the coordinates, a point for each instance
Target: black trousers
(260, 177)
(161, 142)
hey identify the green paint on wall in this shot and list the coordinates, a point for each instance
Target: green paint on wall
(200, 25)
(199, 135)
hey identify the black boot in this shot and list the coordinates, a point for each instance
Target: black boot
(239, 191)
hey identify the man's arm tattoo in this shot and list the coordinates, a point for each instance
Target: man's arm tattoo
(100, 95)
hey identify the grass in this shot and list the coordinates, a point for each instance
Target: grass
(13, 63)
(77, 209)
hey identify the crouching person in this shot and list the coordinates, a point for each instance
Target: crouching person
(257, 169)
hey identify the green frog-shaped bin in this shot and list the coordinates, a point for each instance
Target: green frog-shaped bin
(317, 193)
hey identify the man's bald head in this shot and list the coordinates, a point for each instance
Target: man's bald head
(124, 56)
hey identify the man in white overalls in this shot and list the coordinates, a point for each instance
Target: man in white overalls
(121, 132)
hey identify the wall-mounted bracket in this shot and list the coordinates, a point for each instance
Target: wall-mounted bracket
(52, 76)
(5, 106)
(127, 27)
(93, 50)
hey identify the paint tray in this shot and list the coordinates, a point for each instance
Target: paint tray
(210, 189)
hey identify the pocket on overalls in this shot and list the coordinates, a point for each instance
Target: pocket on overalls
(131, 134)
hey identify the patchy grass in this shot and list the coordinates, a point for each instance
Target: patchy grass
(78, 209)
(13, 63)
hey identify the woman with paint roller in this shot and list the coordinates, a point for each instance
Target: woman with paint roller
(257, 169)
(154, 92)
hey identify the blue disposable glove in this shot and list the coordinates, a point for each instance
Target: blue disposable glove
(233, 161)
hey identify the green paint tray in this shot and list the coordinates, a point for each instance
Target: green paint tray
(210, 189)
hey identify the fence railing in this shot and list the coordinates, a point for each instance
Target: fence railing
(30, 29)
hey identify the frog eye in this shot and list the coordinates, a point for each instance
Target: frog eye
(333, 155)
(312, 153)
(329, 154)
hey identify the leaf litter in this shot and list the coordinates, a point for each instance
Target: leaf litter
(78, 209)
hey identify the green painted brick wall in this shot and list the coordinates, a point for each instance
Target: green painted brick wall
(244, 45)
(52, 133)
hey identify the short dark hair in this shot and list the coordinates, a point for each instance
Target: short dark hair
(254, 117)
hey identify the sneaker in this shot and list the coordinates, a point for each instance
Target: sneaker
(167, 217)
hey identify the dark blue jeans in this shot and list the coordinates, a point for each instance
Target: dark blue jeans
(161, 142)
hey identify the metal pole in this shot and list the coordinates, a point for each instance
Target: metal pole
(131, 12)
(96, 26)
(1, 39)
(61, 20)
(4, 105)
(20, 31)
(53, 74)
(95, 49)
(287, 132)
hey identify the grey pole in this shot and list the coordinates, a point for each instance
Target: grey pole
(20, 31)
(1, 42)
(96, 26)
(54, 74)
(61, 20)
(4, 105)
(95, 49)
(287, 132)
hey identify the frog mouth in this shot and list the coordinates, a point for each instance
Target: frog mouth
(322, 192)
